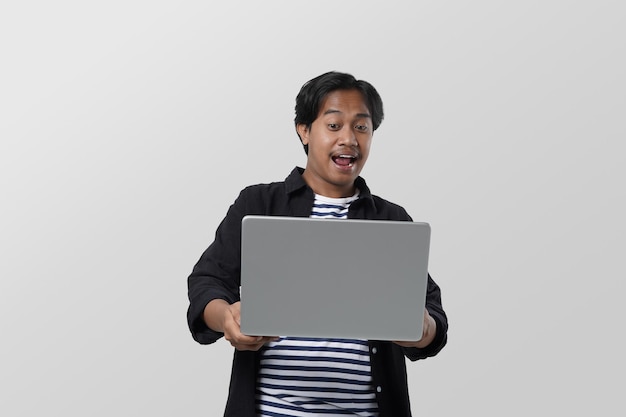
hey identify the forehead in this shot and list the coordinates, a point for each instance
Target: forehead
(349, 102)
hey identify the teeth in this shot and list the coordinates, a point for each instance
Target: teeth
(351, 158)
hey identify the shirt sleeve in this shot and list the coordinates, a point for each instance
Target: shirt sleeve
(435, 309)
(216, 275)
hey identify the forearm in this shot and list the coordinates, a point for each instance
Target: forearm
(215, 276)
(433, 342)
(214, 314)
(204, 290)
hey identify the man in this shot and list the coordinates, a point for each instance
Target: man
(336, 116)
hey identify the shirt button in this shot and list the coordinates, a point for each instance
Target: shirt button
(379, 388)
(374, 350)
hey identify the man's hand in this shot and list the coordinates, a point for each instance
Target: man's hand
(429, 331)
(226, 318)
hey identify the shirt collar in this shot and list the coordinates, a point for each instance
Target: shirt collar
(295, 182)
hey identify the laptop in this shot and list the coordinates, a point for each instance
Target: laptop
(333, 278)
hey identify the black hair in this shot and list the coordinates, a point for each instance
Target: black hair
(315, 90)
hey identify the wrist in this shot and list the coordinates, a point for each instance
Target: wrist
(215, 313)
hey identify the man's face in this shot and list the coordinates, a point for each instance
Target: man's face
(339, 142)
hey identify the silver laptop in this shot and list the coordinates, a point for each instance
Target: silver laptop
(332, 278)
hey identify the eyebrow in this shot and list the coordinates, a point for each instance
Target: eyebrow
(359, 115)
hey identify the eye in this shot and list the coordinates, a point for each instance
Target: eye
(361, 128)
(334, 126)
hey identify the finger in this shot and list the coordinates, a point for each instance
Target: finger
(252, 343)
(259, 339)
(406, 343)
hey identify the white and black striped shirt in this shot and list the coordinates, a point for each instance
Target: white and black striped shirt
(310, 377)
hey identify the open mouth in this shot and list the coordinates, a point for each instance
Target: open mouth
(344, 160)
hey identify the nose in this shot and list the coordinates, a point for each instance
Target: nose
(347, 137)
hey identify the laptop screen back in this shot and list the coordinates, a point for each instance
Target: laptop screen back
(332, 278)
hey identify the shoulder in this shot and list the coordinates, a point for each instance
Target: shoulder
(390, 209)
(261, 198)
(292, 182)
(381, 208)
(261, 190)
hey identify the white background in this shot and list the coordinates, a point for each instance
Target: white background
(128, 127)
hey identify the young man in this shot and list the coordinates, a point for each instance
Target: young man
(336, 116)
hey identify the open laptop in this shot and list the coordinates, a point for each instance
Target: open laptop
(332, 278)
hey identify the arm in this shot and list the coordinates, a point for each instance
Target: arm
(216, 275)
(435, 330)
(214, 298)
(434, 338)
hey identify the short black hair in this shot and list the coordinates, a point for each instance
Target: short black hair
(315, 90)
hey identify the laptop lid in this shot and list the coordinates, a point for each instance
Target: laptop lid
(333, 278)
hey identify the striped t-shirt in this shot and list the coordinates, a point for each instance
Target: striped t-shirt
(309, 376)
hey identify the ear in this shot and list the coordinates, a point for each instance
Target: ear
(303, 132)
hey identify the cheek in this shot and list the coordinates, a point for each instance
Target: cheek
(365, 145)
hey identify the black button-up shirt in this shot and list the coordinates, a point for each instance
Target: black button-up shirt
(217, 275)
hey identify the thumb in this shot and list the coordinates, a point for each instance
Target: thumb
(235, 310)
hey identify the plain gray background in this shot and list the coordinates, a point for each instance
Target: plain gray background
(128, 128)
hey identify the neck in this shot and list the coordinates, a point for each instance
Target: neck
(326, 189)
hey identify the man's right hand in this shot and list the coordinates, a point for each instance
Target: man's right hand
(226, 318)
